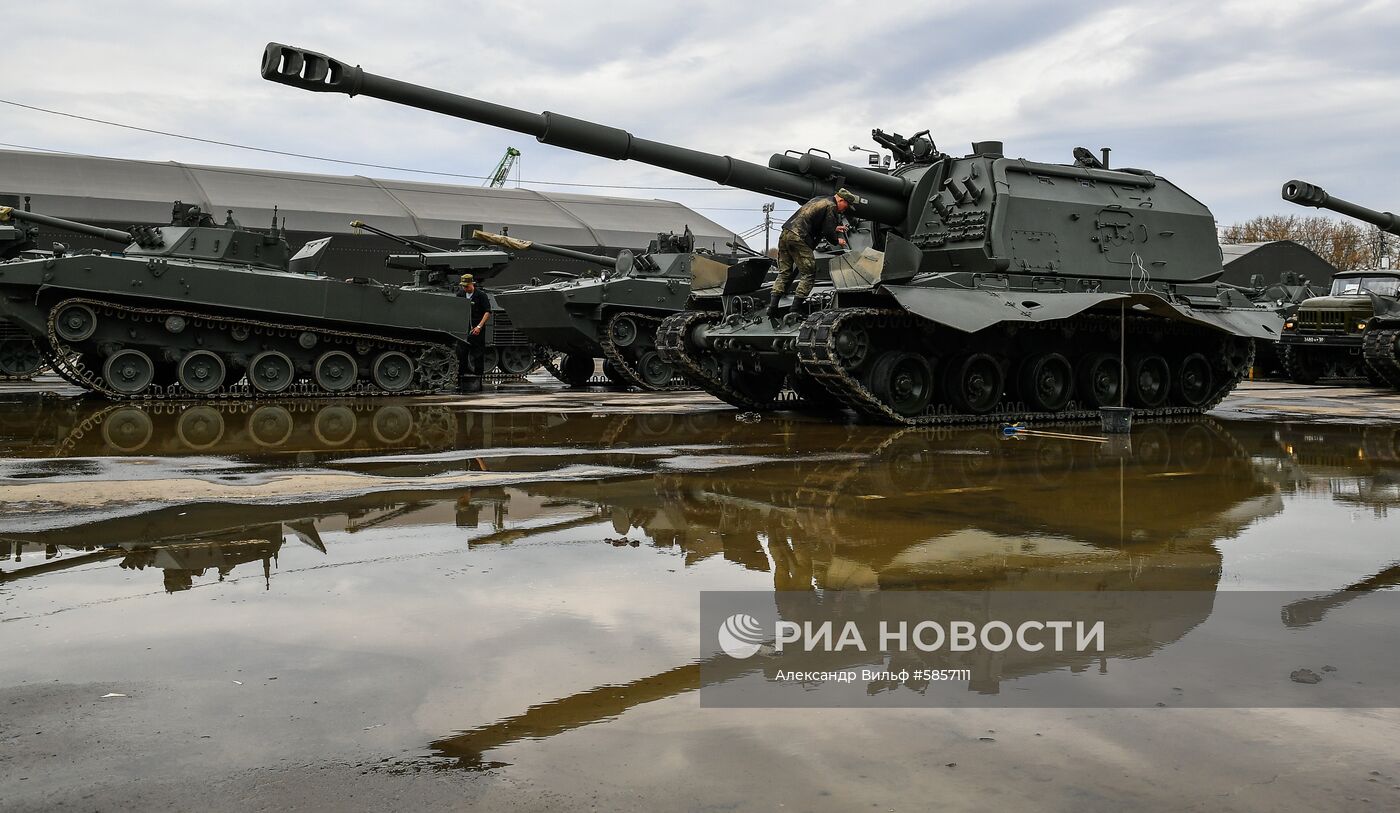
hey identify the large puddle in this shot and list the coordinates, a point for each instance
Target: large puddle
(503, 606)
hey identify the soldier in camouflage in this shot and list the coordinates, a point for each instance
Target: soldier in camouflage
(818, 219)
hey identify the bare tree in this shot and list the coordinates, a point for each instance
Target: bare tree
(1343, 243)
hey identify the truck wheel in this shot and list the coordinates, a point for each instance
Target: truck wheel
(1302, 365)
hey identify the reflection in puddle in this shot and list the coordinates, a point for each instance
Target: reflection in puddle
(784, 504)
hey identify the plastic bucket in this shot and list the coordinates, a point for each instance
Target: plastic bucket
(1116, 420)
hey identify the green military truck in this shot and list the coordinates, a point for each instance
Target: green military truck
(1353, 331)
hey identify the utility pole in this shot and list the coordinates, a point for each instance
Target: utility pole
(767, 225)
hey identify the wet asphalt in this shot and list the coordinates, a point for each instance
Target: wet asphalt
(492, 600)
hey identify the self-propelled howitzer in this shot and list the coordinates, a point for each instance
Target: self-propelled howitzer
(615, 314)
(975, 288)
(197, 309)
(1356, 327)
(508, 353)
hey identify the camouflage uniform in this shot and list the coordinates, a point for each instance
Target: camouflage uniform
(794, 255)
(817, 219)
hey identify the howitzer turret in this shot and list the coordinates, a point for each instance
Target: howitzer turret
(956, 269)
(1306, 194)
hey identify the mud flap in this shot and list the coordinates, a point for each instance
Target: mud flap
(974, 310)
(1251, 322)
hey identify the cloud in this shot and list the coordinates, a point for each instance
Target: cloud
(1227, 99)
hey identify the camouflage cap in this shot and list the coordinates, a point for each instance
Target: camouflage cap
(466, 278)
(847, 195)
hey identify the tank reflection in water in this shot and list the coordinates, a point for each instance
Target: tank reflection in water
(704, 502)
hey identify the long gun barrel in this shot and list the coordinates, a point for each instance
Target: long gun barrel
(887, 196)
(1306, 194)
(404, 241)
(529, 245)
(7, 213)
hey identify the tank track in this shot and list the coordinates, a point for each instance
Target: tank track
(671, 343)
(1379, 350)
(818, 358)
(434, 365)
(613, 354)
(549, 360)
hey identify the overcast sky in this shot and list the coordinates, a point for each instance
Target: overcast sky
(1227, 99)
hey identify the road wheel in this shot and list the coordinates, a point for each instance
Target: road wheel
(623, 331)
(392, 371)
(201, 372)
(577, 369)
(974, 383)
(20, 358)
(903, 381)
(1149, 380)
(1046, 382)
(335, 371)
(516, 360)
(129, 372)
(1193, 382)
(1099, 380)
(654, 372)
(271, 372)
(75, 323)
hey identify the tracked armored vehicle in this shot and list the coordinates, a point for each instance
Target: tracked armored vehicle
(614, 315)
(1355, 329)
(20, 359)
(976, 288)
(201, 310)
(508, 353)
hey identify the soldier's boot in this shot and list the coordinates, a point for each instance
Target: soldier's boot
(799, 306)
(773, 305)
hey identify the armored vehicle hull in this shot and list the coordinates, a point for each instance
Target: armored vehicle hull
(614, 316)
(979, 288)
(202, 311)
(508, 353)
(577, 323)
(1354, 331)
(20, 358)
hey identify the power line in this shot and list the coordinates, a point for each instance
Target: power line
(465, 192)
(391, 167)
